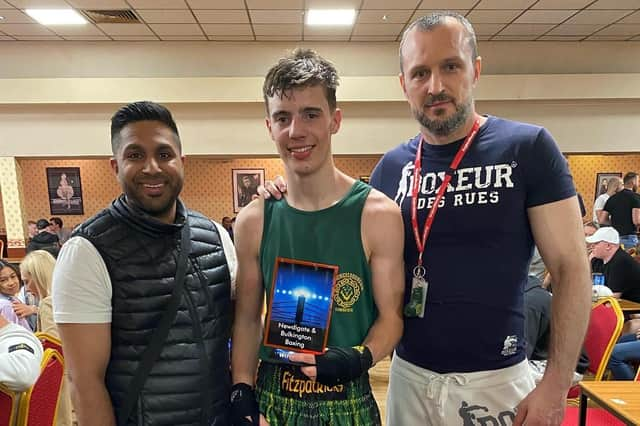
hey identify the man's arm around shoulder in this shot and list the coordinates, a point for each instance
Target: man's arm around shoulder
(383, 240)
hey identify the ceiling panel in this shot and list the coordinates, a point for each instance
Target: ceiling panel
(560, 38)
(278, 38)
(447, 4)
(505, 4)
(279, 29)
(275, 4)
(99, 4)
(328, 31)
(373, 38)
(260, 16)
(616, 4)
(41, 4)
(39, 38)
(25, 29)
(227, 29)
(216, 4)
(563, 4)
(607, 38)
(126, 29)
(135, 38)
(620, 29)
(487, 29)
(173, 16)
(6, 38)
(76, 30)
(222, 16)
(87, 38)
(184, 38)
(384, 4)
(596, 17)
(544, 16)
(232, 20)
(378, 29)
(158, 4)
(634, 18)
(176, 29)
(575, 30)
(526, 29)
(333, 4)
(12, 16)
(376, 16)
(493, 16)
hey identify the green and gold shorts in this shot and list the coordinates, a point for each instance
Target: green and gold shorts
(289, 398)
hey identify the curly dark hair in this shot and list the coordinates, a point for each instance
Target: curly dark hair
(302, 68)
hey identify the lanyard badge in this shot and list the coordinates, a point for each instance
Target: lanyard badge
(419, 284)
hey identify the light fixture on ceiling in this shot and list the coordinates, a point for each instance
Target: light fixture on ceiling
(1, 18)
(331, 16)
(56, 16)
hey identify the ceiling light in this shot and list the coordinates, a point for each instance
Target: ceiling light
(331, 16)
(1, 18)
(56, 16)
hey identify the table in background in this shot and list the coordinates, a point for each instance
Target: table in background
(620, 398)
(629, 307)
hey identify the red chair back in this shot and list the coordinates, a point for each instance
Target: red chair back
(605, 325)
(50, 342)
(39, 405)
(7, 401)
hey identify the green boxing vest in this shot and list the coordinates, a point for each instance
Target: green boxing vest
(331, 236)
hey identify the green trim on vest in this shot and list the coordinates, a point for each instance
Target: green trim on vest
(330, 236)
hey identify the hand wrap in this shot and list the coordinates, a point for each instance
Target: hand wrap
(340, 365)
(244, 404)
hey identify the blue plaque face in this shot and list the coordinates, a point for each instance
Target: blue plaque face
(299, 312)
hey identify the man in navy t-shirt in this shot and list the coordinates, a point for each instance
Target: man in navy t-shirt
(464, 356)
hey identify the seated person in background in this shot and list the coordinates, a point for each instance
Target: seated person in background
(9, 288)
(20, 356)
(621, 271)
(537, 314)
(45, 240)
(626, 350)
(37, 269)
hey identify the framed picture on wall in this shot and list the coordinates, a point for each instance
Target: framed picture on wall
(602, 180)
(65, 190)
(245, 185)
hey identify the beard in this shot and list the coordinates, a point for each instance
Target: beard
(154, 206)
(445, 126)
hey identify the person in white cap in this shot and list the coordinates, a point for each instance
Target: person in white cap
(20, 356)
(621, 272)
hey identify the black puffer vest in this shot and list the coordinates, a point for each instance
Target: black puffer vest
(189, 383)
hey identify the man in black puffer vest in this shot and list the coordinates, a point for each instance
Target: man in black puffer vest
(114, 286)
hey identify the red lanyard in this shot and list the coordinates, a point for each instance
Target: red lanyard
(420, 242)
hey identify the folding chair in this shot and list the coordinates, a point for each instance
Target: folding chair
(8, 399)
(605, 325)
(39, 405)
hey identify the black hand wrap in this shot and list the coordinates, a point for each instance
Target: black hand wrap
(243, 405)
(340, 365)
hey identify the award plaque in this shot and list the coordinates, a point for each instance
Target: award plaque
(299, 312)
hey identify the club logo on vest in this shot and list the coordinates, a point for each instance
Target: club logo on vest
(347, 293)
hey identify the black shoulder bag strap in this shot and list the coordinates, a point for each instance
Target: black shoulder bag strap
(152, 351)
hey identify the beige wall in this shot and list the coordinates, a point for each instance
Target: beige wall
(207, 188)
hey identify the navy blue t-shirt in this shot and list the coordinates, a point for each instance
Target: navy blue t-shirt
(478, 252)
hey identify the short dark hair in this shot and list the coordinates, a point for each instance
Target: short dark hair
(42, 224)
(14, 268)
(56, 220)
(302, 68)
(436, 19)
(141, 111)
(629, 177)
(31, 222)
